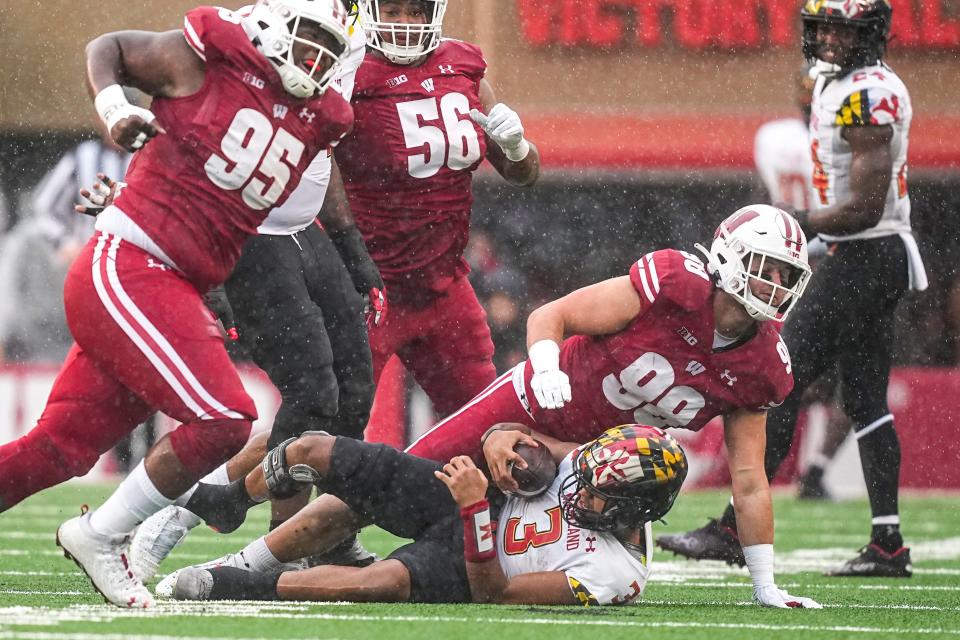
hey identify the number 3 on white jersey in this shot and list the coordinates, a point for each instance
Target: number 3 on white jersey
(456, 144)
(250, 146)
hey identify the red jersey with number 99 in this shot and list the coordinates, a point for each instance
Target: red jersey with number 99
(232, 151)
(662, 370)
(407, 165)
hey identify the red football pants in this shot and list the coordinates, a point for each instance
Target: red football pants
(446, 345)
(144, 343)
(460, 433)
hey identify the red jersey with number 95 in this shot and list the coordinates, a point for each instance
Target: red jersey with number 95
(407, 165)
(662, 370)
(232, 151)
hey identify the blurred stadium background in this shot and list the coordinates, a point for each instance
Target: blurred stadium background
(644, 112)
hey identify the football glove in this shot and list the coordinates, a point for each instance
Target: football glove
(503, 126)
(129, 125)
(375, 307)
(353, 252)
(217, 303)
(551, 386)
(771, 596)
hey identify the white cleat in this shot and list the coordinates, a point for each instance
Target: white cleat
(104, 559)
(156, 538)
(166, 588)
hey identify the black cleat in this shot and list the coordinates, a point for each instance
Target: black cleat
(713, 541)
(874, 562)
(346, 554)
(811, 488)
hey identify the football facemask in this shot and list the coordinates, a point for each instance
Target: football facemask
(290, 34)
(871, 18)
(636, 471)
(759, 256)
(401, 42)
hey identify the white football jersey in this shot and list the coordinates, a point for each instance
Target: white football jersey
(532, 536)
(300, 208)
(872, 95)
(781, 152)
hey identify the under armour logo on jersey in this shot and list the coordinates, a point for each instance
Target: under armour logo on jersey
(307, 115)
(446, 68)
(397, 81)
(728, 378)
(280, 111)
(590, 546)
(695, 368)
(153, 264)
(427, 84)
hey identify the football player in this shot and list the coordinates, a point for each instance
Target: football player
(240, 108)
(584, 540)
(858, 131)
(425, 120)
(675, 343)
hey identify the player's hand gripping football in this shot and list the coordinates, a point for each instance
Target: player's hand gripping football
(466, 483)
(771, 596)
(101, 194)
(503, 126)
(498, 449)
(130, 126)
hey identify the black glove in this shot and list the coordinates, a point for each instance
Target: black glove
(353, 252)
(216, 301)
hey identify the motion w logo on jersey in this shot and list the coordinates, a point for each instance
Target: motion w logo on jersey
(427, 84)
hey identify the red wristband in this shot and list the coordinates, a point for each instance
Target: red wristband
(479, 539)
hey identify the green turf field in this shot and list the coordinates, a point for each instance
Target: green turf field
(43, 596)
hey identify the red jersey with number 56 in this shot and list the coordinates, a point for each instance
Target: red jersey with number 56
(662, 370)
(407, 165)
(232, 151)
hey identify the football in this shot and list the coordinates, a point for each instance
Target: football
(540, 471)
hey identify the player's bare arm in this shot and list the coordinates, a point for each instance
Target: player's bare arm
(488, 584)
(160, 64)
(745, 436)
(599, 309)
(518, 165)
(870, 174)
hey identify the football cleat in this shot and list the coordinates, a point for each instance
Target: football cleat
(347, 554)
(165, 588)
(105, 561)
(156, 538)
(811, 488)
(874, 562)
(191, 584)
(713, 541)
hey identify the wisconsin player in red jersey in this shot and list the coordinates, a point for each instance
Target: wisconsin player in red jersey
(425, 118)
(675, 343)
(240, 108)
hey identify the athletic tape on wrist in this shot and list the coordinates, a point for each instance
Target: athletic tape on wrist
(479, 538)
(518, 153)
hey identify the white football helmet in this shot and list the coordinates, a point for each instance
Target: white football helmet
(418, 39)
(742, 246)
(274, 27)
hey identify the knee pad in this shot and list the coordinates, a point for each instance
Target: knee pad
(204, 445)
(284, 480)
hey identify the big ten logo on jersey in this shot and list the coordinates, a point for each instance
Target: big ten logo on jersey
(442, 125)
(253, 80)
(255, 158)
(396, 81)
(517, 539)
(646, 387)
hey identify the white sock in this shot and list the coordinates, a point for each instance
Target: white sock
(259, 557)
(135, 500)
(217, 476)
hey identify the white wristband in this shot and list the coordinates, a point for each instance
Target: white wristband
(544, 356)
(109, 103)
(759, 559)
(519, 152)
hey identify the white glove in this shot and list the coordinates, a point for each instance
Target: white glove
(503, 126)
(113, 107)
(771, 596)
(550, 385)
